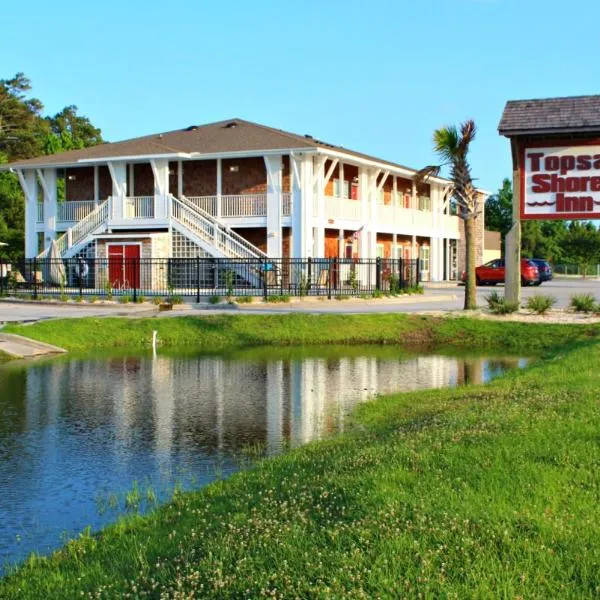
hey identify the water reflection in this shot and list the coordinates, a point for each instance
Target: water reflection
(73, 430)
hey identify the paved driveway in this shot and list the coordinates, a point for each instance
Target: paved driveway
(436, 298)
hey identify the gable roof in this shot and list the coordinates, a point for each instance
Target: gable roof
(222, 137)
(551, 115)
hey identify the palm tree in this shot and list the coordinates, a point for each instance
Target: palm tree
(452, 146)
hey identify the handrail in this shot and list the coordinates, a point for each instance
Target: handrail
(211, 230)
(82, 229)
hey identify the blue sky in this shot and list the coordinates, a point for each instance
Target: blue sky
(376, 76)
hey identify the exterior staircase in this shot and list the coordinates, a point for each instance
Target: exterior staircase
(209, 233)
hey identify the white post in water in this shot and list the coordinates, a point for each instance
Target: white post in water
(154, 334)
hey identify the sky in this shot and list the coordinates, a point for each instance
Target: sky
(376, 76)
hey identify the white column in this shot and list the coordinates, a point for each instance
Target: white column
(275, 392)
(319, 250)
(29, 184)
(219, 185)
(179, 178)
(363, 198)
(118, 174)
(47, 178)
(414, 196)
(414, 247)
(160, 168)
(394, 242)
(302, 205)
(131, 188)
(341, 249)
(274, 242)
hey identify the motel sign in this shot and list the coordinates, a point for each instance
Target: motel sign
(561, 182)
(555, 145)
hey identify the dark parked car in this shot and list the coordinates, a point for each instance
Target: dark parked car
(544, 270)
(493, 272)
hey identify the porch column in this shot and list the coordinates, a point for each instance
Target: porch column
(363, 198)
(341, 248)
(220, 185)
(302, 205)
(118, 175)
(160, 169)
(319, 251)
(47, 179)
(394, 244)
(274, 242)
(413, 251)
(179, 178)
(29, 184)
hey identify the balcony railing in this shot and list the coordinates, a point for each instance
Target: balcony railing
(239, 205)
(139, 207)
(74, 210)
(342, 208)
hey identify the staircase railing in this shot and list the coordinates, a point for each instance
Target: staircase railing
(85, 227)
(212, 231)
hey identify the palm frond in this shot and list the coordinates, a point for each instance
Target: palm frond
(467, 134)
(423, 175)
(445, 142)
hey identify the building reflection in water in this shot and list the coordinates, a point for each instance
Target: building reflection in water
(72, 430)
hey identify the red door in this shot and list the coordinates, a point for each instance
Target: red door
(124, 266)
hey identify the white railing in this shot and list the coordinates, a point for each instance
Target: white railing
(206, 203)
(398, 215)
(286, 204)
(238, 205)
(74, 210)
(210, 230)
(244, 205)
(85, 227)
(342, 208)
(138, 207)
(40, 212)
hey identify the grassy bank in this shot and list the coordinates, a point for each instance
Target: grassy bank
(213, 333)
(479, 491)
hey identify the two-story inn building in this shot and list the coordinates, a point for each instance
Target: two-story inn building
(240, 190)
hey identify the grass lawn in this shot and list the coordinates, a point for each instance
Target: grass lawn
(480, 491)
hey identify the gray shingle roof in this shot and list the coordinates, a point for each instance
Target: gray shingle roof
(551, 115)
(231, 135)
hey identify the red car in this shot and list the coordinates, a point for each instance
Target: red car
(493, 272)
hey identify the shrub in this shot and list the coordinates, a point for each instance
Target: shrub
(342, 297)
(377, 294)
(214, 299)
(244, 299)
(175, 300)
(79, 298)
(93, 299)
(157, 300)
(498, 304)
(540, 304)
(278, 298)
(125, 299)
(583, 303)
(140, 299)
(63, 298)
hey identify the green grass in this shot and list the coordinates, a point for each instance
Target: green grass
(219, 332)
(481, 491)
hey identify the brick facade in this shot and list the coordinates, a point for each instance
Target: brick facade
(200, 178)
(257, 236)
(143, 180)
(250, 178)
(79, 183)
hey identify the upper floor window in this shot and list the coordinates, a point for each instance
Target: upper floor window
(341, 190)
(425, 203)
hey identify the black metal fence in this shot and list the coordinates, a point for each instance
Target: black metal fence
(199, 277)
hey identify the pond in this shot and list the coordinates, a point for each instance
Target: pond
(84, 439)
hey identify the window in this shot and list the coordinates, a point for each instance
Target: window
(341, 190)
(380, 251)
(424, 258)
(425, 203)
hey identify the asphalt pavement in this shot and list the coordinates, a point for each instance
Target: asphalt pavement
(444, 297)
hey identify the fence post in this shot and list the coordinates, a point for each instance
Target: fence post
(135, 272)
(197, 280)
(264, 278)
(418, 278)
(309, 270)
(35, 279)
(378, 273)
(400, 274)
(329, 278)
(80, 278)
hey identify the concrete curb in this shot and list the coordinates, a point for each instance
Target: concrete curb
(18, 346)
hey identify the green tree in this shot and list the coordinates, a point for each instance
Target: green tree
(581, 245)
(25, 133)
(452, 146)
(498, 209)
